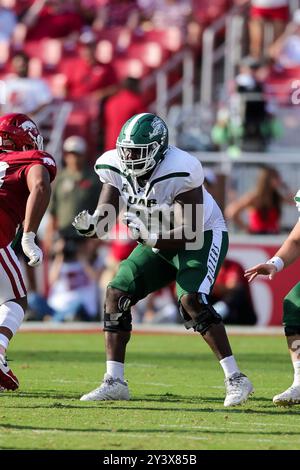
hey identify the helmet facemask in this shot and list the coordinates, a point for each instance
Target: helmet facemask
(137, 160)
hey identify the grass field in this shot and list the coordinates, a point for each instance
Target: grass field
(177, 396)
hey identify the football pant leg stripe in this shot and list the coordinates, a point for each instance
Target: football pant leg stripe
(15, 283)
(15, 263)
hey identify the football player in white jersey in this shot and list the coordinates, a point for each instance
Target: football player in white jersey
(286, 255)
(151, 177)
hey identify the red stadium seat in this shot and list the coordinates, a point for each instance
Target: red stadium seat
(105, 51)
(128, 67)
(120, 37)
(150, 53)
(169, 38)
(49, 51)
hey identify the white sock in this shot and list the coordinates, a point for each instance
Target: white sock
(229, 366)
(115, 369)
(296, 382)
(4, 341)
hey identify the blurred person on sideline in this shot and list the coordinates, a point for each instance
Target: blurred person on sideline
(74, 283)
(126, 102)
(158, 308)
(76, 186)
(257, 120)
(247, 122)
(287, 254)
(23, 93)
(263, 204)
(231, 295)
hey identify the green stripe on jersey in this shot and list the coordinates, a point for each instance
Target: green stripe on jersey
(116, 170)
(166, 177)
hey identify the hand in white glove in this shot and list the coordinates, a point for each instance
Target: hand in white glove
(138, 230)
(86, 224)
(31, 250)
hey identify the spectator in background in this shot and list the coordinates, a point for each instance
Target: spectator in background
(74, 281)
(262, 12)
(8, 20)
(286, 50)
(87, 76)
(248, 122)
(23, 93)
(256, 119)
(263, 204)
(114, 13)
(162, 13)
(119, 108)
(231, 295)
(158, 307)
(52, 19)
(77, 187)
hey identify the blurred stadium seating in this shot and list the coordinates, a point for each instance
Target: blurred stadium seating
(188, 70)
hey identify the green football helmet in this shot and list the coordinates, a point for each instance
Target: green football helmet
(142, 143)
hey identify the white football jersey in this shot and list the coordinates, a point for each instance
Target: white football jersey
(177, 173)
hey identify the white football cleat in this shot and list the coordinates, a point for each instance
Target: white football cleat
(110, 389)
(238, 389)
(8, 381)
(289, 397)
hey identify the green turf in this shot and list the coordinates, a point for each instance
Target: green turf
(177, 396)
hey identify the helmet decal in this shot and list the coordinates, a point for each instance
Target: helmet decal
(158, 128)
(28, 126)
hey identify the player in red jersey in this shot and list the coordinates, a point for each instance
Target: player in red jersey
(25, 176)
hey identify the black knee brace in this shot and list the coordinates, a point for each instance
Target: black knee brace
(120, 321)
(203, 320)
(292, 330)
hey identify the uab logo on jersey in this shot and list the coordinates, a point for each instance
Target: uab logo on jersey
(48, 161)
(140, 201)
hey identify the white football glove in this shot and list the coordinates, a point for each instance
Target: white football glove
(138, 230)
(86, 224)
(31, 250)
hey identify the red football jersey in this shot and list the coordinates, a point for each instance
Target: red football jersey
(14, 167)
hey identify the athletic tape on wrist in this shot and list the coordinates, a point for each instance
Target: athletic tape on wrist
(277, 262)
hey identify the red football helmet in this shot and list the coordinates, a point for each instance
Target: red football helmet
(19, 133)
